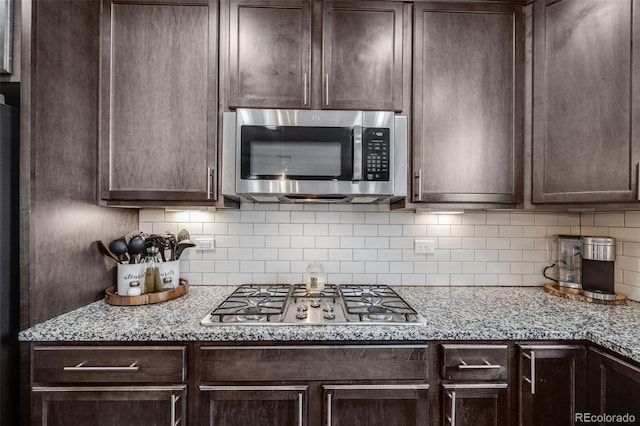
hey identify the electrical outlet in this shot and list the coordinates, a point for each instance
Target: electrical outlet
(424, 246)
(205, 243)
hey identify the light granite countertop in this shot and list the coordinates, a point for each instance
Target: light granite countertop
(452, 313)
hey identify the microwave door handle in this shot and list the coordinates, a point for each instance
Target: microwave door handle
(357, 152)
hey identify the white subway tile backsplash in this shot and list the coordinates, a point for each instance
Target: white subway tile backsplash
(415, 231)
(487, 231)
(352, 217)
(439, 230)
(371, 244)
(474, 218)
(609, 219)
(365, 254)
(303, 242)
(498, 218)
(463, 255)
(449, 243)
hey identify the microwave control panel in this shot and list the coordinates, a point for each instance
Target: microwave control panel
(375, 154)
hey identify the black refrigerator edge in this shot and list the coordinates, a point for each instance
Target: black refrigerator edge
(9, 279)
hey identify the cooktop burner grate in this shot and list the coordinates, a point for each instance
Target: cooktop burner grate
(253, 302)
(376, 303)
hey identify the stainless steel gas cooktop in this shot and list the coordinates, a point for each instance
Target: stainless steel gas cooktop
(292, 304)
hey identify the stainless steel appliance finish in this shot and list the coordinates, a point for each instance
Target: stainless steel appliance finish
(598, 259)
(292, 304)
(321, 156)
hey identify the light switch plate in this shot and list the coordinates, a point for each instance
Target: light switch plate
(424, 246)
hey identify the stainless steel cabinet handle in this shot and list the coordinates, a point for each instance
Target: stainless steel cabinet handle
(357, 152)
(638, 181)
(532, 380)
(209, 183)
(300, 408)
(81, 367)
(174, 400)
(304, 90)
(452, 418)
(418, 177)
(486, 366)
(329, 420)
(326, 88)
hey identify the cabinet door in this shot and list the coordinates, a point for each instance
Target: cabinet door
(268, 52)
(106, 406)
(468, 82)
(614, 388)
(253, 405)
(475, 404)
(362, 55)
(158, 100)
(376, 405)
(586, 88)
(552, 384)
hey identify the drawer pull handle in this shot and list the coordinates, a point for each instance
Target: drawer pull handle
(486, 366)
(81, 367)
(329, 408)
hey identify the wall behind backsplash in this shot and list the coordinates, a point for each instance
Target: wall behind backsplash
(269, 243)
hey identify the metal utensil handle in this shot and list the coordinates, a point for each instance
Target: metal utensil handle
(357, 152)
(452, 418)
(81, 367)
(329, 420)
(300, 408)
(532, 380)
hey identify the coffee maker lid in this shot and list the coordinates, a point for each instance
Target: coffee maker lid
(599, 241)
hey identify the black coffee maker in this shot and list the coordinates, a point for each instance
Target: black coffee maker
(598, 258)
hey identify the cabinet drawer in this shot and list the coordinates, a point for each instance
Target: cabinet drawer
(286, 363)
(475, 362)
(109, 364)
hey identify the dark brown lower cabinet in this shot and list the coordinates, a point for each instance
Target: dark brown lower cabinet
(552, 384)
(300, 385)
(614, 390)
(483, 404)
(107, 385)
(109, 405)
(254, 405)
(376, 405)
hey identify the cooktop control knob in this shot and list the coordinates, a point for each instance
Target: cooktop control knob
(302, 312)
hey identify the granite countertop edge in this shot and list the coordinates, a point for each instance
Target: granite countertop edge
(452, 313)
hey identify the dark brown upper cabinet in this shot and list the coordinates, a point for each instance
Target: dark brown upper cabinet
(313, 54)
(269, 52)
(362, 55)
(158, 101)
(468, 104)
(586, 93)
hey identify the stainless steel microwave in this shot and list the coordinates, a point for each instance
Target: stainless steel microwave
(272, 155)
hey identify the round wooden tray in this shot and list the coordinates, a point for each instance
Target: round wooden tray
(576, 294)
(113, 298)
